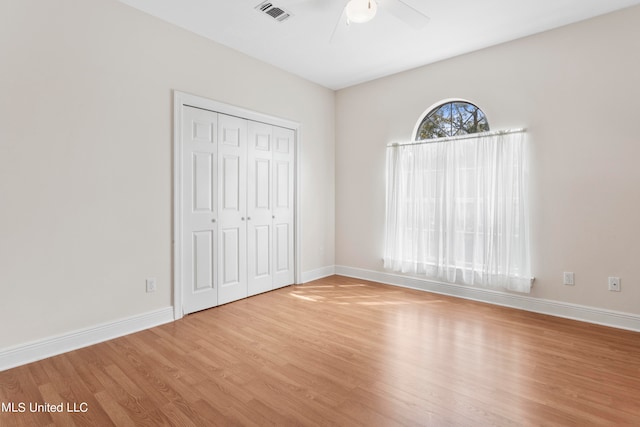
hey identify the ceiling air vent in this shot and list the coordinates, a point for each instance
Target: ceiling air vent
(275, 12)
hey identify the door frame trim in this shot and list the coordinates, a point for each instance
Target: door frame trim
(183, 98)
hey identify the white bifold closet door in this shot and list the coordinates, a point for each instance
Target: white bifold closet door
(232, 208)
(238, 186)
(199, 209)
(259, 209)
(283, 207)
(269, 207)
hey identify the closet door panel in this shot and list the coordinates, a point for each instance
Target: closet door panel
(198, 209)
(283, 206)
(259, 208)
(232, 230)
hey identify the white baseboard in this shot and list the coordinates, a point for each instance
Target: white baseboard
(48, 347)
(583, 313)
(319, 273)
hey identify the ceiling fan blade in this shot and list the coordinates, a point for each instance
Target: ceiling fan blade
(341, 25)
(406, 13)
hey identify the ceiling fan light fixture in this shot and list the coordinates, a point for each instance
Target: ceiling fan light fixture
(360, 11)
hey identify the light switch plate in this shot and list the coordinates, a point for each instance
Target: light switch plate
(151, 285)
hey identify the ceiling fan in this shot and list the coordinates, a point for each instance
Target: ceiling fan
(362, 11)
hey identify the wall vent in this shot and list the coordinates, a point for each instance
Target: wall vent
(274, 12)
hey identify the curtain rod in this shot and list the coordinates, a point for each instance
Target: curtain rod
(456, 138)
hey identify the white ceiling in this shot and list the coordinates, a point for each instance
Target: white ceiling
(303, 46)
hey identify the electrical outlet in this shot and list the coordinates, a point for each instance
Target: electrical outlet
(568, 278)
(614, 284)
(151, 285)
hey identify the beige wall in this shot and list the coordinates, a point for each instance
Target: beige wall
(86, 157)
(576, 90)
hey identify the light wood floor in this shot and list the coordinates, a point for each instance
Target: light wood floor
(346, 352)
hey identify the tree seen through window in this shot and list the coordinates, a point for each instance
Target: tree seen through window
(452, 119)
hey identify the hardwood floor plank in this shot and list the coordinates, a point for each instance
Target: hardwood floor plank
(342, 351)
(117, 415)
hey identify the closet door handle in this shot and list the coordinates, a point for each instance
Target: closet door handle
(213, 220)
(248, 218)
(242, 218)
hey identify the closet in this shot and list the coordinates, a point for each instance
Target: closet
(237, 207)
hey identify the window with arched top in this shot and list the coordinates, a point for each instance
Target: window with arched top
(456, 200)
(452, 118)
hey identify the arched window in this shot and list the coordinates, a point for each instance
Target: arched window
(456, 201)
(450, 119)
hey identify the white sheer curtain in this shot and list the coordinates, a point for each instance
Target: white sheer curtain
(457, 211)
